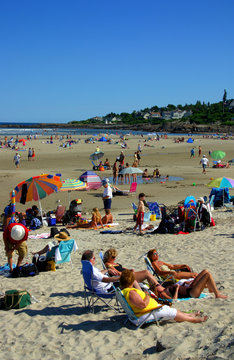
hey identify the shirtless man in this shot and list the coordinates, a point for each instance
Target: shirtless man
(140, 213)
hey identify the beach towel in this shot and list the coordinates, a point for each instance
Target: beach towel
(39, 236)
(5, 270)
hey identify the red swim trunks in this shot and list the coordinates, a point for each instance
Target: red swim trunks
(140, 218)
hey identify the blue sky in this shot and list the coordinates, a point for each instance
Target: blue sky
(72, 60)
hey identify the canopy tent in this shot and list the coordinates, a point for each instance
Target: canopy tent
(102, 139)
(92, 180)
(190, 141)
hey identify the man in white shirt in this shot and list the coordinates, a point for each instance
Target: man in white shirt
(205, 162)
(107, 194)
(101, 281)
(16, 160)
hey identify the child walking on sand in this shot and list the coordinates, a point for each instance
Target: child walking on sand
(140, 213)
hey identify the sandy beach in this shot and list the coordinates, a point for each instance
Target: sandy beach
(58, 326)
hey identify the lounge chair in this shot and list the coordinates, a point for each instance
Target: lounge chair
(62, 253)
(137, 321)
(90, 295)
(160, 279)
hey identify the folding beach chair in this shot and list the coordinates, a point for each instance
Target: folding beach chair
(62, 253)
(154, 208)
(192, 221)
(150, 268)
(90, 295)
(101, 258)
(137, 321)
(132, 189)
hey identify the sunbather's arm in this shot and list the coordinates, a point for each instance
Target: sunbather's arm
(110, 279)
(178, 266)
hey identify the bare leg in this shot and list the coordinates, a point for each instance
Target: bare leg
(180, 317)
(10, 263)
(205, 279)
(42, 251)
(20, 259)
(145, 275)
(184, 275)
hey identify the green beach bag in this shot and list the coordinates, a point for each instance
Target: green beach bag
(17, 299)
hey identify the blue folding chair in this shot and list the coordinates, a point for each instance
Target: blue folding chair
(154, 208)
(62, 252)
(90, 295)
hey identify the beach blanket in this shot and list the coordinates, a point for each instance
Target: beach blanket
(5, 270)
(39, 236)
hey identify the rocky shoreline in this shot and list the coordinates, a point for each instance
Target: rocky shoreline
(172, 127)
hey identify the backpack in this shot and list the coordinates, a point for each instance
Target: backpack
(25, 271)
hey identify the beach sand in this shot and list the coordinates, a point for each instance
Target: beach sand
(59, 326)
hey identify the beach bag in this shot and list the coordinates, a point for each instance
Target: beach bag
(29, 270)
(17, 299)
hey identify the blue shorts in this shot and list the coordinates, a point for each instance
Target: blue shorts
(107, 204)
(204, 166)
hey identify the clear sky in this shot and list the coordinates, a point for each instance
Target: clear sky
(71, 60)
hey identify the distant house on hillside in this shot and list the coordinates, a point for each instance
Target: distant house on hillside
(155, 115)
(177, 114)
(110, 120)
(166, 115)
(146, 116)
(97, 118)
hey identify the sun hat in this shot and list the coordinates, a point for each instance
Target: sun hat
(204, 155)
(17, 233)
(62, 236)
(200, 199)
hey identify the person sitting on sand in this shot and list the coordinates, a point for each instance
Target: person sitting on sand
(192, 288)
(107, 218)
(178, 271)
(142, 303)
(157, 173)
(145, 174)
(93, 224)
(61, 236)
(107, 164)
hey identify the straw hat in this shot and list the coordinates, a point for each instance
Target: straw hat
(62, 236)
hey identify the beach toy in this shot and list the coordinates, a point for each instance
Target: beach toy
(211, 178)
(194, 184)
(153, 217)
